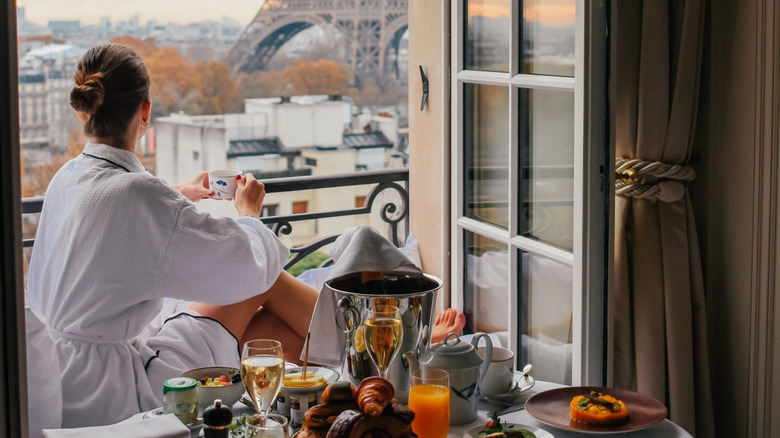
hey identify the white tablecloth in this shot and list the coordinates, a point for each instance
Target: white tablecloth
(664, 429)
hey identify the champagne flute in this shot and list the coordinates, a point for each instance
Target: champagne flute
(383, 334)
(262, 370)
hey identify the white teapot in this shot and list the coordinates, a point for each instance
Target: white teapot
(466, 369)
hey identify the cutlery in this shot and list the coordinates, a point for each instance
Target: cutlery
(526, 370)
(523, 374)
(504, 399)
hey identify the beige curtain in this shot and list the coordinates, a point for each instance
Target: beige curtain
(657, 305)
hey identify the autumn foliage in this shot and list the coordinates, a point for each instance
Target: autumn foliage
(209, 88)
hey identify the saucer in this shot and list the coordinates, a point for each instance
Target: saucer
(521, 384)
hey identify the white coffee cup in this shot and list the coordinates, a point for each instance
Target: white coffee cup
(500, 373)
(223, 182)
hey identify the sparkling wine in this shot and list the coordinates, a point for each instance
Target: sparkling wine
(262, 376)
(382, 337)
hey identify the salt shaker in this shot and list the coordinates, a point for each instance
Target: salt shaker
(217, 420)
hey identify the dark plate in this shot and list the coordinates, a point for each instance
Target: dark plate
(552, 408)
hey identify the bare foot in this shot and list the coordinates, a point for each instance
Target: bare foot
(449, 321)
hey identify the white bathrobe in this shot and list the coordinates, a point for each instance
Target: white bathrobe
(112, 244)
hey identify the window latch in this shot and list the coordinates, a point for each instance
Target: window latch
(424, 89)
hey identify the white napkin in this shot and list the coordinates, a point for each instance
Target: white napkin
(358, 249)
(158, 426)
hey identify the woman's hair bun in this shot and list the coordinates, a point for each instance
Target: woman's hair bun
(110, 84)
(87, 95)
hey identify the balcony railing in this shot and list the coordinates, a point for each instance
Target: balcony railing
(394, 213)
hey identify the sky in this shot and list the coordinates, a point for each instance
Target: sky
(164, 11)
(550, 12)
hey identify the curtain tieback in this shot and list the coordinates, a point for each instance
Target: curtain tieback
(651, 180)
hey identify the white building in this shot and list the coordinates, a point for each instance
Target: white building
(45, 81)
(276, 138)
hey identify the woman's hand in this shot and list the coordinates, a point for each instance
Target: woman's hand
(197, 188)
(249, 196)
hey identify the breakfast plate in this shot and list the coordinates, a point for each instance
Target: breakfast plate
(159, 411)
(328, 376)
(552, 408)
(540, 433)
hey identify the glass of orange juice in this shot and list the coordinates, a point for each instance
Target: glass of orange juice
(429, 399)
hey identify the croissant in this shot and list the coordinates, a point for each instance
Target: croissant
(339, 391)
(324, 414)
(374, 394)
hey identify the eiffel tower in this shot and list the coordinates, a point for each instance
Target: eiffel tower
(368, 33)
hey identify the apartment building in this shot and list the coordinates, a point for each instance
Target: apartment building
(275, 138)
(45, 80)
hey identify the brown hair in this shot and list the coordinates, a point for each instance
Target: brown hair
(111, 83)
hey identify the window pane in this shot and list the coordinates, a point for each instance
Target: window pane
(545, 317)
(546, 135)
(300, 207)
(548, 37)
(485, 278)
(485, 161)
(487, 35)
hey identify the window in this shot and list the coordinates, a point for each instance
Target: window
(300, 207)
(270, 210)
(528, 198)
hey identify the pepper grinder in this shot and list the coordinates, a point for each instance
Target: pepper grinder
(217, 420)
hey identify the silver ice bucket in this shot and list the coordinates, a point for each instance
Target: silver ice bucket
(415, 297)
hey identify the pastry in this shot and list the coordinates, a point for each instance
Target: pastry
(339, 391)
(374, 394)
(342, 425)
(370, 411)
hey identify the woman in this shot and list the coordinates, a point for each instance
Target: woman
(114, 242)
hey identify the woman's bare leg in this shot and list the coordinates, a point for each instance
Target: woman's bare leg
(266, 325)
(288, 299)
(293, 303)
(235, 317)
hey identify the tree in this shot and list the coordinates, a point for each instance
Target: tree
(179, 85)
(172, 80)
(41, 172)
(368, 95)
(311, 261)
(216, 86)
(142, 47)
(256, 84)
(316, 77)
(303, 77)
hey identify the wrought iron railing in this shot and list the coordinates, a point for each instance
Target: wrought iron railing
(395, 215)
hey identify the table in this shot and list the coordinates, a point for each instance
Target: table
(664, 429)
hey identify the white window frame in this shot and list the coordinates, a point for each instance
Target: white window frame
(592, 241)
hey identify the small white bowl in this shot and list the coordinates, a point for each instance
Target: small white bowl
(327, 374)
(206, 395)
